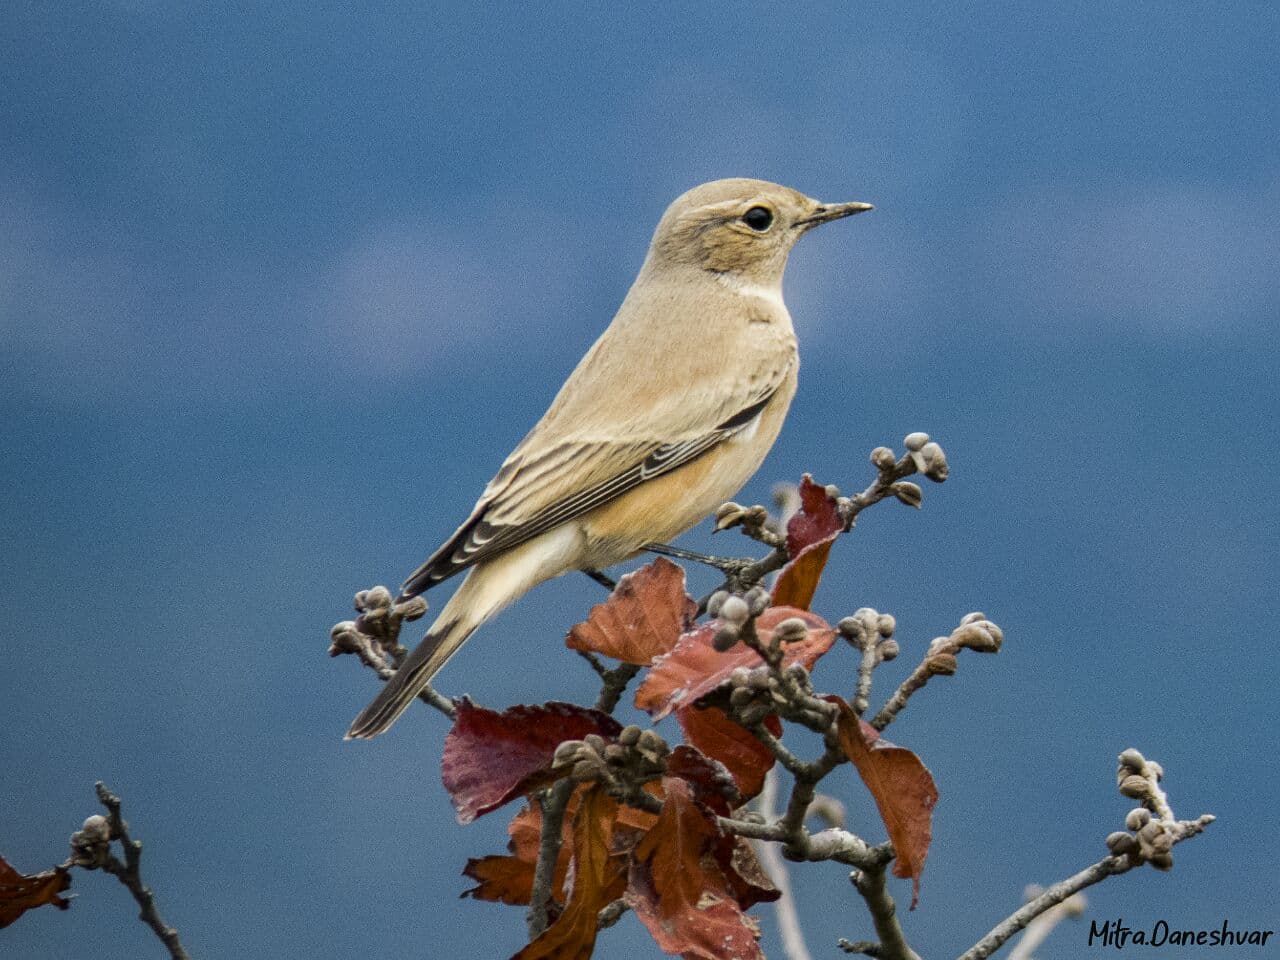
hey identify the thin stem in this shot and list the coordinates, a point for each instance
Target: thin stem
(129, 873)
(884, 915)
(553, 803)
(1056, 894)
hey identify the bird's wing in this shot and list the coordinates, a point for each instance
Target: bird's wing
(543, 485)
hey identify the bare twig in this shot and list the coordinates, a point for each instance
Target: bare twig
(553, 802)
(975, 632)
(615, 684)
(91, 850)
(1151, 842)
(884, 914)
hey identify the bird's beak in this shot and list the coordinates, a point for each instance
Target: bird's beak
(827, 212)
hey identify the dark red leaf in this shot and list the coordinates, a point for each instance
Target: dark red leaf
(598, 879)
(20, 893)
(491, 758)
(903, 789)
(709, 779)
(677, 888)
(810, 533)
(747, 880)
(643, 617)
(747, 759)
(695, 668)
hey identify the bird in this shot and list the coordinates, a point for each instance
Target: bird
(666, 417)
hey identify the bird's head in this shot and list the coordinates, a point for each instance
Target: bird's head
(740, 228)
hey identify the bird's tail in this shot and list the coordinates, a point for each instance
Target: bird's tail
(441, 642)
(471, 605)
(487, 589)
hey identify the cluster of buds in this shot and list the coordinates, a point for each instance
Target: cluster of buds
(975, 632)
(737, 615)
(91, 844)
(872, 633)
(1154, 831)
(927, 456)
(1150, 842)
(922, 456)
(763, 687)
(634, 757)
(754, 520)
(379, 623)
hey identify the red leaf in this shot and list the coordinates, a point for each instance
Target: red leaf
(810, 533)
(695, 668)
(491, 758)
(643, 617)
(20, 893)
(677, 889)
(598, 879)
(747, 759)
(509, 879)
(903, 789)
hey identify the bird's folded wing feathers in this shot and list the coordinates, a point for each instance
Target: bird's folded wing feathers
(543, 485)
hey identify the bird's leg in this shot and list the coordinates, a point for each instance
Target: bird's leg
(603, 579)
(730, 566)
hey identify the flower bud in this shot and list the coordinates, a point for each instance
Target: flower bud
(887, 650)
(1138, 818)
(908, 493)
(724, 639)
(594, 741)
(716, 602)
(566, 753)
(1162, 861)
(758, 599)
(629, 736)
(615, 754)
(1135, 786)
(1120, 842)
(1132, 759)
(729, 515)
(734, 611)
(790, 630)
(885, 624)
(96, 829)
(882, 458)
(915, 441)
(935, 460)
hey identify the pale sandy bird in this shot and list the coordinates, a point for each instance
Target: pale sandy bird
(665, 418)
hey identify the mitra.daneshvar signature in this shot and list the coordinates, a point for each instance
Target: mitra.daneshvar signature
(1116, 933)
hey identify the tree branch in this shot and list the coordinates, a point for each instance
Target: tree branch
(91, 850)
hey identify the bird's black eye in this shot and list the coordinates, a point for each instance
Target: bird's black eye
(759, 219)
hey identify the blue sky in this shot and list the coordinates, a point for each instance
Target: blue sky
(280, 287)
